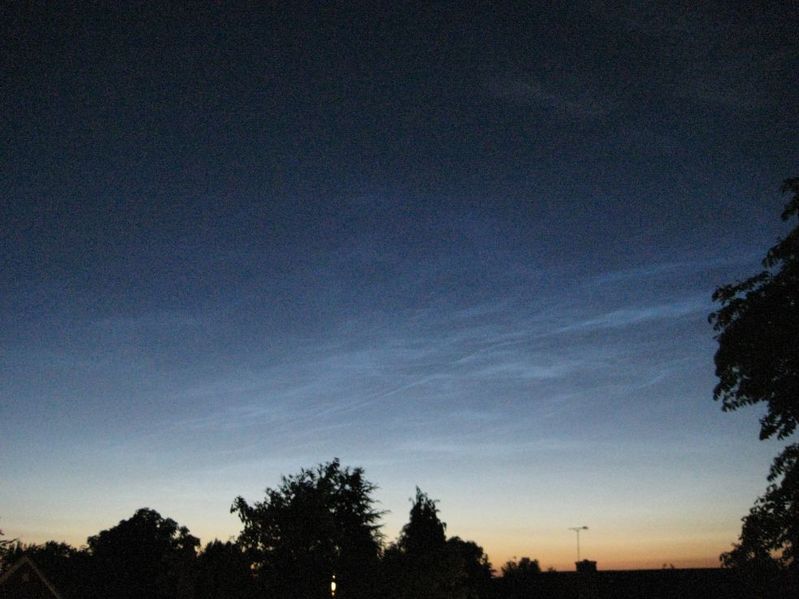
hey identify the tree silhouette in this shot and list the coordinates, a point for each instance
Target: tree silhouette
(317, 523)
(145, 557)
(423, 564)
(518, 577)
(223, 572)
(758, 362)
(6, 545)
(66, 567)
(758, 325)
(424, 533)
(524, 568)
(474, 566)
(766, 551)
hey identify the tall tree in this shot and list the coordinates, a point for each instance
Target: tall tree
(757, 362)
(424, 565)
(424, 533)
(144, 557)
(316, 524)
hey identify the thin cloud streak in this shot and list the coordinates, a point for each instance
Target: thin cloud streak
(396, 364)
(566, 97)
(522, 356)
(632, 316)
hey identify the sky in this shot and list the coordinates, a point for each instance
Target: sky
(469, 247)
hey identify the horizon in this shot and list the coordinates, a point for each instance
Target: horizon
(467, 250)
(656, 558)
(656, 561)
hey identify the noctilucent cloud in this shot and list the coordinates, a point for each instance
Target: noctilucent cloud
(469, 249)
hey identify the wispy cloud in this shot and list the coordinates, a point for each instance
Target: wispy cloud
(517, 354)
(470, 447)
(565, 96)
(714, 54)
(455, 359)
(147, 322)
(625, 317)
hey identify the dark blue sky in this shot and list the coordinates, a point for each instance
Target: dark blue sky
(469, 247)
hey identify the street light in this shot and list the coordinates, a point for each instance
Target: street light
(333, 586)
(577, 529)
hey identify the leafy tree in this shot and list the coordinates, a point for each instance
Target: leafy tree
(766, 552)
(416, 566)
(424, 533)
(223, 572)
(519, 577)
(474, 565)
(144, 557)
(757, 361)
(523, 569)
(49, 551)
(6, 546)
(64, 566)
(423, 564)
(316, 524)
(758, 325)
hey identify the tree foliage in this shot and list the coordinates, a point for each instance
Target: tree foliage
(6, 546)
(66, 566)
(317, 523)
(424, 533)
(518, 577)
(757, 362)
(758, 327)
(524, 568)
(144, 557)
(423, 564)
(474, 569)
(766, 552)
(223, 572)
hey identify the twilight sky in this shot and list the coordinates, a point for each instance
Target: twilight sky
(467, 249)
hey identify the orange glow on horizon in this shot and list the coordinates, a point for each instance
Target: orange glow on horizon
(559, 555)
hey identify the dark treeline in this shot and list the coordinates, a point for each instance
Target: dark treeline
(317, 527)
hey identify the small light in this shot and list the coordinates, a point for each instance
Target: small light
(333, 586)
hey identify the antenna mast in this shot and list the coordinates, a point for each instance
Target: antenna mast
(577, 529)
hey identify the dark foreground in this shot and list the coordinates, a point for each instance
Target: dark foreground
(29, 581)
(705, 583)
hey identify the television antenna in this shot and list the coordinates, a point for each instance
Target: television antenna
(577, 530)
